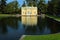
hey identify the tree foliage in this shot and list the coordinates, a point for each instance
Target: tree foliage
(3, 6)
(54, 7)
(42, 6)
(12, 7)
(24, 4)
(32, 2)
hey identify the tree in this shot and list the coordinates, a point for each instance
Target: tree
(3, 6)
(58, 8)
(12, 7)
(53, 7)
(32, 2)
(16, 6)
(42, 6)
(24, 4)
(0, 6)
(49, 8)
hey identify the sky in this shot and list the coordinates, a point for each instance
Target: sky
(19, 1)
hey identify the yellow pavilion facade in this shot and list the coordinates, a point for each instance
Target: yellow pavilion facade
(29, 11)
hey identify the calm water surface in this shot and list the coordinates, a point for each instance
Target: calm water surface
(12, 28)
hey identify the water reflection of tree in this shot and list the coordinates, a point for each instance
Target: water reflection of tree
(19, 18)
(31, 29)
(41, 23)
(53, 25)
(3, 25)
(11, 22)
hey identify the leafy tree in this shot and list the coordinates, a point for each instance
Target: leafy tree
(24, 4)
(53, 7)
(3, 6)
(32, 2)
(49, 8)
(58, 8)
(12, 7)
(42, 6)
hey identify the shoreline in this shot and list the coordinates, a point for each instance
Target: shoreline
(18, 15)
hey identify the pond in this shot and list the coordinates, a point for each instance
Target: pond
(12, 28)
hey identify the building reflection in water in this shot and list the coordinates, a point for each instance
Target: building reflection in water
(30, 24)
(29, 20)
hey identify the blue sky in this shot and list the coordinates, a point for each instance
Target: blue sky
(19, 1)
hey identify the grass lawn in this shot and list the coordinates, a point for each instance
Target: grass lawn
(53, 17)
(6, 15)
(43, 37)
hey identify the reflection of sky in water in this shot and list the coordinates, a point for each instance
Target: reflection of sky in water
(28, 20)
(13, 34)
(46, 30)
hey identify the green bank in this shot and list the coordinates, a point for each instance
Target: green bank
(6, 15)
(53, 17)
(43, 37)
